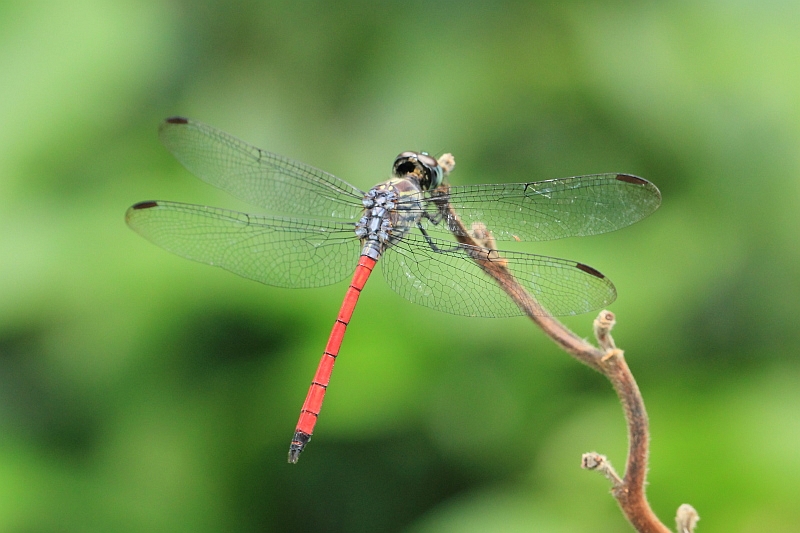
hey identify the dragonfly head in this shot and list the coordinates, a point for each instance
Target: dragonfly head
(423, 166)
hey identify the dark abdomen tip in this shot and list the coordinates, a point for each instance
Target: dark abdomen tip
(177, 120)
(298, 443)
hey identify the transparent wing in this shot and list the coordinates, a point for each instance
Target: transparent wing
(273, 182)
(552, 209)
(449, 280)
(272, 250)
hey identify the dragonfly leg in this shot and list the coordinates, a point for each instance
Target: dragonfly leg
(435, 219)
(433, 245)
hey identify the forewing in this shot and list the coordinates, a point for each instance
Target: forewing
(272, 250)
(449, 280)
(552, 209)
(273, 182)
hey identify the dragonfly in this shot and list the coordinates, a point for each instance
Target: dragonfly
(318, 229)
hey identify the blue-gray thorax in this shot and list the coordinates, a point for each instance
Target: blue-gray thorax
(391, 208)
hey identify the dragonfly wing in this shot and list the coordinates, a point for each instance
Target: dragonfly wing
(273, 182)
(552, 209)
(449, 280)
(272, 250)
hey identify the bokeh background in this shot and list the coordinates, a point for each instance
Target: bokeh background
(142, 392)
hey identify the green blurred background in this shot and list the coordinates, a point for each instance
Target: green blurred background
(141, 392)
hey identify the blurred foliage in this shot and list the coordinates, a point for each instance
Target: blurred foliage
(142, 392)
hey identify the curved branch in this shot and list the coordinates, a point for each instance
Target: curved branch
(607, 359)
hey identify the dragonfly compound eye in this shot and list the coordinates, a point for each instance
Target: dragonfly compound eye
(420, 163)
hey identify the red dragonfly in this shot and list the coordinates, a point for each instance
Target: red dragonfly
(321, 228)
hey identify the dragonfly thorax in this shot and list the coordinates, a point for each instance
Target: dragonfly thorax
(390, 209)
(375, 227)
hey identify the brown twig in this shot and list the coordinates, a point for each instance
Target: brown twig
(607, 359)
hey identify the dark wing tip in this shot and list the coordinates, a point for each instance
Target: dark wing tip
(590, 270)
(177, 120)
(144, 205)
(655, 194)
(130, 214)
(628, 178)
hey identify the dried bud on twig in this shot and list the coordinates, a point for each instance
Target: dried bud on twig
(598, 462)
(602, 330)
(687, 518)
